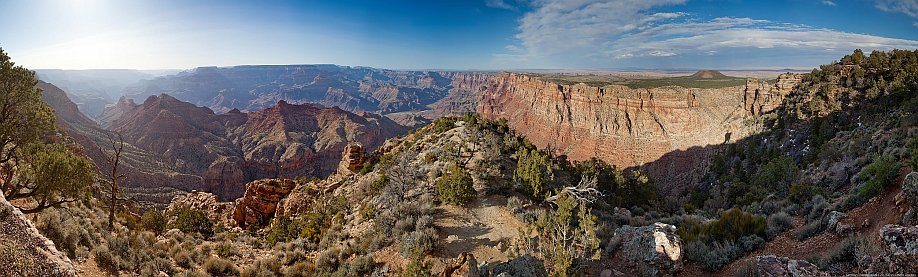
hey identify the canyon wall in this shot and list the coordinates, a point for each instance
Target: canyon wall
(662, 130)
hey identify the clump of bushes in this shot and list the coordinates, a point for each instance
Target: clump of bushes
(880, 174)
(732, 225)
(153, 221)
(194, 222)
(455, 187)
(777, 223)
(216, 266)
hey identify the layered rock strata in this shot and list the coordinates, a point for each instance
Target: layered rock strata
(626, 127)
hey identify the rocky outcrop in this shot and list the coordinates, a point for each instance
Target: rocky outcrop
(655, 249)
(259, 203)
(24, 251)
(772, 266)
(626, 127)
(900, 240)
(760, 98)
(218, 212)
(907, 201)
(351, 159)
(463, 266)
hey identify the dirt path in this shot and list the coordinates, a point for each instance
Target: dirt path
(484, 229)
(879, 211)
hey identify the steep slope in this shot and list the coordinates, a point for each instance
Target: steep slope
(227, 150)
(148, 177)
(626, 127)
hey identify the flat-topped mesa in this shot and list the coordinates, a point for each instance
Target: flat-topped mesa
(624, 126)
(759, 98)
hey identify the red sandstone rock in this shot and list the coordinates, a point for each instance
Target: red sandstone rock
(259, 203)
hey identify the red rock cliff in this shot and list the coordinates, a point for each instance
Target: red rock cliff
(626, 127)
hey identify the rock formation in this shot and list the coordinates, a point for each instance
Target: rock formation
(258, 204)
(900, 240)
(759, 98)
(228, 150)
(626, 127)
(655, 249)
(24, 251)
(463, 266)
(772, 266)
(907, 201)
(351, 159)
(218, 212)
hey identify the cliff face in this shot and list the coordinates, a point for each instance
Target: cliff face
(760, 98)
(626, 127)
(230, 149)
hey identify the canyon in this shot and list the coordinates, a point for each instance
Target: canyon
(661, 130)
(174, 146)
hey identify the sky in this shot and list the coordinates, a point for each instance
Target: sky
(447, 34)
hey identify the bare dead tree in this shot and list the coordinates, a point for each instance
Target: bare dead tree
(113, 158)
(583, 192)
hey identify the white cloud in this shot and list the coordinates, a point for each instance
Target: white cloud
(727, 33)
(568, 31)
(829, 3)
(499, 4)
(908, 7)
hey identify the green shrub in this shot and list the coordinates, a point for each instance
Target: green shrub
(712, 257)
(194, 222)
(418, 243)
(777, 223)
(444, 124)
(913, 153)
(731, 226)
(220, 267)
(533, 171)
(105, 260)
(154, 221)
(183, 259)
(800, 193)
(809, 230)
(881, 173)
(226, 249)
(417, 267)
(455, 187)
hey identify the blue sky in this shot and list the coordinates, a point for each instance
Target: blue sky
(442, 34)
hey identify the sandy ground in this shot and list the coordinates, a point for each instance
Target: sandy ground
(485, 229)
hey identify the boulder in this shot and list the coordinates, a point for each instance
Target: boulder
(463, 266)
(833, 218)
(900, 240)
(258, 204)
(218, 212)
(655, 248)
(24, 251)
(773, 266)
(907, 201)
(523, 266)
